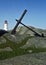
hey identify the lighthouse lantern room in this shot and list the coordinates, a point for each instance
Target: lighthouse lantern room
(5, 25)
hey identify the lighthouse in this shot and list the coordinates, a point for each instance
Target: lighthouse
(5, 25)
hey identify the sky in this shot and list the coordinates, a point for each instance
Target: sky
(12, 9)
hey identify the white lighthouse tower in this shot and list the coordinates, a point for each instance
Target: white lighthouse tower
(5, 25)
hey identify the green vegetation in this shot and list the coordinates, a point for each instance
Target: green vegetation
(16, 48)
(36, 50)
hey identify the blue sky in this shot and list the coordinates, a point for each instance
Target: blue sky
(12, 9)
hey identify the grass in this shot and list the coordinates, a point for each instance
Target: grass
(16, 49)
(36, 50)
(8, 54)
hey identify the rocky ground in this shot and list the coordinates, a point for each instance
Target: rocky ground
(23, 48)
(28, 59)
